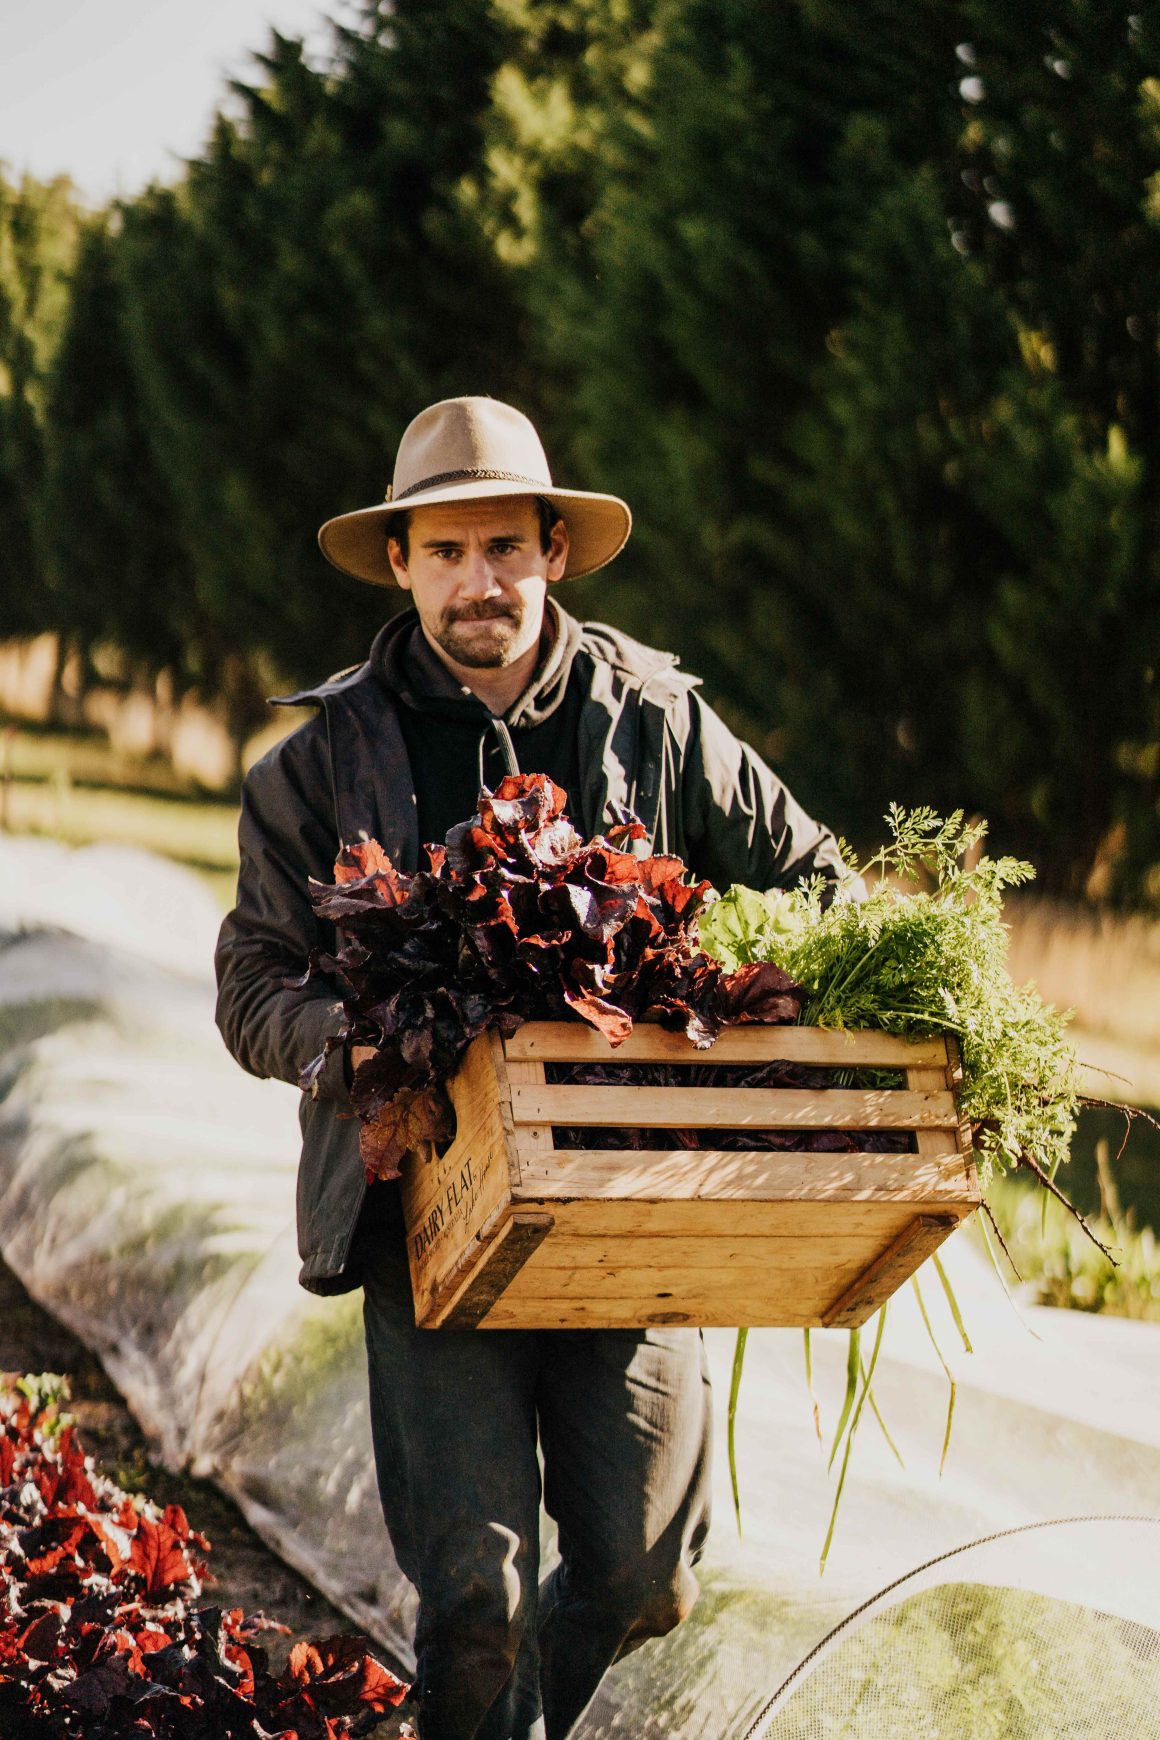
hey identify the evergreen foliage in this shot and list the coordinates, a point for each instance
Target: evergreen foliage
(114, 565)
(857, 306)
(312, 282)
(38, 224)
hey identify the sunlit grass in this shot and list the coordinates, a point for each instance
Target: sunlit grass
(1103, 965)
(1059, 1265)
(202, 834)
(77, 788)
(87, 758)
(1107, 968)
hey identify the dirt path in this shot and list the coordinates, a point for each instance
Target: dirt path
(245, 1572)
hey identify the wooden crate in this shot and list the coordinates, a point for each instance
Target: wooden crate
(505, 1231)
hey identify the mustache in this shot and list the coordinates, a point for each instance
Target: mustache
(482, 613)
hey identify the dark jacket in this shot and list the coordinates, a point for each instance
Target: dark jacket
(648, 744)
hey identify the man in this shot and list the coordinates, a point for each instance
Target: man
(485, 674)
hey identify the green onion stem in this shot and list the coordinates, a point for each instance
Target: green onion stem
(734, 1390)
(945, 1366)
(850, 1437)
(882, 1423)
(952, 1302)
(853, 1349)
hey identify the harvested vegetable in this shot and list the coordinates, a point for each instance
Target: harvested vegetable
(516, 919)
(915, 961)
(519, 919)
(918, 960)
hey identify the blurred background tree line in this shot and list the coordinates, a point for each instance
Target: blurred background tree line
(856, 305)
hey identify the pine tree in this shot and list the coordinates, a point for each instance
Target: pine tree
(112, 551)
(316, 280)
(870, 346)
(38, 226)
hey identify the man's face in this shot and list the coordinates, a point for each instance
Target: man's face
(479, 578)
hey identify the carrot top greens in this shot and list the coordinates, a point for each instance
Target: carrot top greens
(925, 952)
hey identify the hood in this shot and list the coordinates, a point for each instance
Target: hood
(606, 645)
(405, 663)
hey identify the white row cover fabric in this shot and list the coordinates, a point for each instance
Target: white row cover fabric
(146, 1198)
(1048, 1628)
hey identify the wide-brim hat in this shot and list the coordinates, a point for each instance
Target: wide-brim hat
(473, 449)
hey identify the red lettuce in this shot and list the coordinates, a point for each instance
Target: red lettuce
(517, 919)
(99, 1633)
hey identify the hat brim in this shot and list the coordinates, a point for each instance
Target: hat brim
(598, 527)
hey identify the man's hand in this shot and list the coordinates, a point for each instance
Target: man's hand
(359, 1055)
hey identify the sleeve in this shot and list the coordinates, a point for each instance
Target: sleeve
(286, 834)
(742, 823)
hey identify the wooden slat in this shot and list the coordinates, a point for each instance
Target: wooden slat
(922, 1081)
(955, 1082)
(454, 1200)
(576, 1042)
(479, 1133)
(735, 1108)
(656, 1251)
(514, 1243)
(889, 1270)
(489, 1046)
(954, 1062)
(741, 1280)
(789, 1310)
(531, 1141)
(930, 1081)
(708, 1175)
(615, 1218)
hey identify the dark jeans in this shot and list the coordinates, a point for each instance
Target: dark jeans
(623, 1421)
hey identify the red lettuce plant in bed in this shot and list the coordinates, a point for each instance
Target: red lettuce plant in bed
(99, 1634)
(516, 919)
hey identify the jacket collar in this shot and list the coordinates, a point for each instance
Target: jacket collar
(630, 658)
(339, 684)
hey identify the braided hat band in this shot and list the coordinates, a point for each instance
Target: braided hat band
(472, 473)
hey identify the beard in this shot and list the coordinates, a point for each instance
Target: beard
(482, 636)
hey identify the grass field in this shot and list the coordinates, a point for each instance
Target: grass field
(77, 789)
(1107, 969)
(1057, 1264)
(87, 758)
(201, 834)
